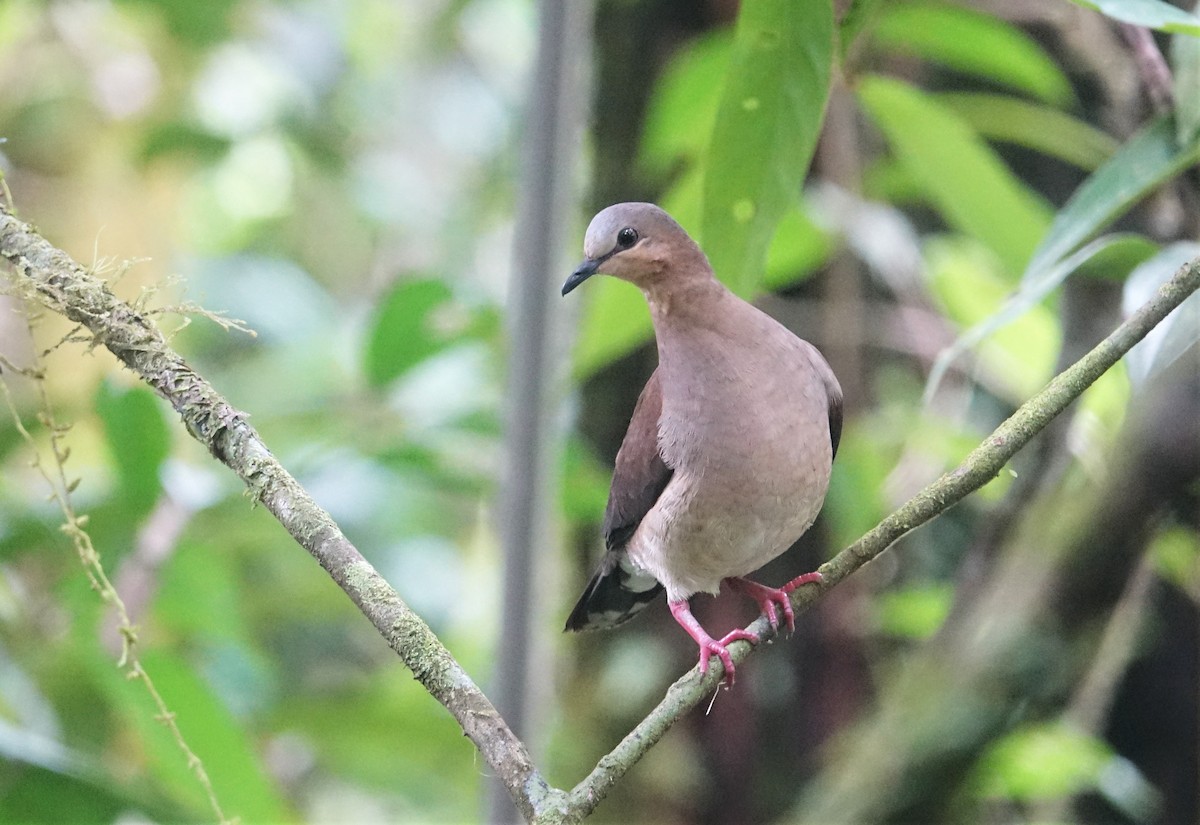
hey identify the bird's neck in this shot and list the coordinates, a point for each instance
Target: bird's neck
(682, 301)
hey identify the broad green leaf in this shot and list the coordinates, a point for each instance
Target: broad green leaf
(683, 107)
(963, 178)
(416, 320)
(1178, 331)
(766, 129)
(138, 439)
(1153, 14)
(973, 43)
(1032, 125)
(1147, 160)
(1185, 75)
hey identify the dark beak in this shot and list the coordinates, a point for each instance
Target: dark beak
(582, 272)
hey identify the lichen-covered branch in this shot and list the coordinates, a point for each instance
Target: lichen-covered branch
(67, 288)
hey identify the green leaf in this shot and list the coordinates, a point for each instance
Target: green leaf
(616, 321)
(683, 107)
(211, 731)
(1153, 14)
(973, 43)
(1042, 762)
(765, 132)
(1145, 161)
(915, 612)
(138, 439)
(965, 180)
(1040, 128)
(414, 321)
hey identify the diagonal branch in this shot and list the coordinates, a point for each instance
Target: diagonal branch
(66, 287)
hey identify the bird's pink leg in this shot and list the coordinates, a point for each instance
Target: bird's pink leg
(709, 646)
(769, 598)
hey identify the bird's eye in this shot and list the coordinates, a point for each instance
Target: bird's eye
(627, 237)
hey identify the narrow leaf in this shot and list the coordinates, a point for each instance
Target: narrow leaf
(1032, 125)
(966, 181)
(1143, 163)
(766, 129)
(972, 43)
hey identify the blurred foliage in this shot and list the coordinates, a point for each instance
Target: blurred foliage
(340, 178)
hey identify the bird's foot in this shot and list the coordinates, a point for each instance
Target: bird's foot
(770, 598)
(709, 646)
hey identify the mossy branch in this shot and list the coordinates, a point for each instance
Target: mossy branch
(66, 287)
(69, 289)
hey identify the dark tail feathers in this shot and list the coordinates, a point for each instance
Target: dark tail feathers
(615, 595)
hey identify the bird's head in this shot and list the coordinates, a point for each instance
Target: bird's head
(639, 243)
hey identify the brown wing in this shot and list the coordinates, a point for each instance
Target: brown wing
(618, 590)
(640, 474)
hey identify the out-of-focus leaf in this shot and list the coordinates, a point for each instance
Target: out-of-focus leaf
(1029, 295)
(1144, 162)
(236, 771)
(973, 43)
(1032, 125)
(195, 24)
(798, 248)
(1176, 554)
(915, 612)
(1185, 75)
(971, 187)
(139, 440)
(766, 129)
(1176, 333)
(616, 321)
(1019, 358)
(1114, 261)
(1042, 762)
(679, 119)
(1153, 14)
(417, 319)
(184, 140)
